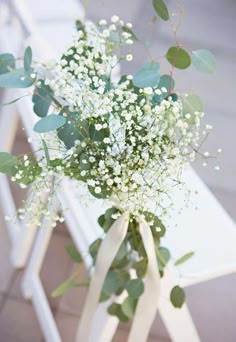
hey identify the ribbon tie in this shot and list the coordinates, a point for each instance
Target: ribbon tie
(148, 301)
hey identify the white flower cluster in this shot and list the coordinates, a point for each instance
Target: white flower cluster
(141, 145)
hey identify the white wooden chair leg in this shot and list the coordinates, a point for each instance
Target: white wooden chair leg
(37, 256)
(104, 326)
(178, 322)
(17, 231)
(32, 286)
(21, 236)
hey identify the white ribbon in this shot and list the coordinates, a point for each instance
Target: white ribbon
(148, 302)
(106, 254)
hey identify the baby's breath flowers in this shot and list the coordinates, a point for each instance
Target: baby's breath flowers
(126, 139)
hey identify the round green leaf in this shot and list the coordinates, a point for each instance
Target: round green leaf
(161, 9)
(140, 268)
(156, 223)
(42, 99)
(7, 162)
(163, 257)
(49, 123)
(103, 297)
(94, 247)
(177, 296)
(105, 191)
(111, 283)
(121, 252)
(73, 130)
(98, 135)
(17, 78)
(135, 288)
(128, 306)
(148, 76)
(165, 82)
(204, 60)
(7, 62)
(115, 310)
(178, 57)
(191, 104)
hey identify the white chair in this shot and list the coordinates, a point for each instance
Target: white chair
(82, 231)
(196, 229)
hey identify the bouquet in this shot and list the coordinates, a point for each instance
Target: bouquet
(126, 140)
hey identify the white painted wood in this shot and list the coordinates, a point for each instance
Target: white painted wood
(32, 286)
(178, 322)
(205, 228)
(21, 235)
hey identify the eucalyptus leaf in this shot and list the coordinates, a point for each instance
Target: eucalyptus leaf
(98, 135)
(184, 258)
(163, 257)
(74, 254)
(147, 76)
(49, 123)
(116, 310)
(7, 162)
(105, 191)
(128, 306)
(156, 224)
(191, 104)
(18, 78)
(73, 130)
(102, 223)
(7, 62)
(135, 288)
(140, 268)
(84, 162)
(28, 58)
(93, 248)
(109, 212)
(204, 60)
(103, 297)
(121, 252)
(177, 296)
(111, 283)
(165, 82)
(161, 9)
(42, 99)
(113, 309)
(123, 277)
(45, 147)
(62, 288)
(178, 57)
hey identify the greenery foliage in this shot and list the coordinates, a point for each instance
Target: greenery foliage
(127, 141)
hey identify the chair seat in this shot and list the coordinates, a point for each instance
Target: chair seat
(205, 228)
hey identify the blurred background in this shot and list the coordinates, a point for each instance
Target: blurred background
(210, 24)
